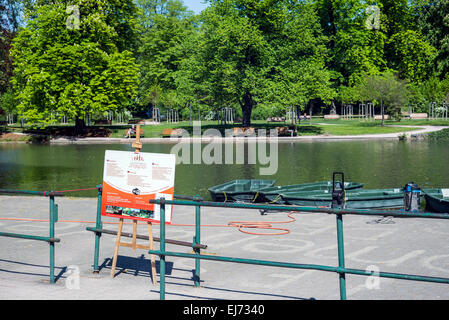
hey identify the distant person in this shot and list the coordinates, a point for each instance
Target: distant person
(131, 131)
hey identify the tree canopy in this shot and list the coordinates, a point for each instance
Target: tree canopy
(75, 61)
(253, 53)
(76, 57)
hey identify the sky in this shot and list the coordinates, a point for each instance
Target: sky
(195, 5)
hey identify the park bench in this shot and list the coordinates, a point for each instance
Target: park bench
(102, 121)
(136, 121)
(276, 119)
(331, 116)
(379, 117)
(418, 116)
(172, 133)
(149, 122)
(238, 131)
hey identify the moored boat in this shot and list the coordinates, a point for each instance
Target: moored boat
(437, 200)
(273, 194)
(239, 190)
(354, 199)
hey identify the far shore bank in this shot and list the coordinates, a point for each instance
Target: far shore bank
(205, 139)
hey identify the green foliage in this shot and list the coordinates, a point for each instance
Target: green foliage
(431, 90)
(356, 50)
(441, 135)
(8, 102)
(433, 21)
(257, 56)
(347, 94)
(413, 56)
(258, 53)
(165, 27)
(9, 22)
(73, 71)
(387, 90)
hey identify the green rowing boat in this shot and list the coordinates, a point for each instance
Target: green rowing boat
(273, 194)
(355, 199)
(437, 200)
(239, 190)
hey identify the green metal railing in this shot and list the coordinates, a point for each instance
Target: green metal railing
(341, 270)
(53, 218)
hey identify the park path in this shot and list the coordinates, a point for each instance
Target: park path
(420, 130)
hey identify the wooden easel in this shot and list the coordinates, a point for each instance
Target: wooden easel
(137, 146)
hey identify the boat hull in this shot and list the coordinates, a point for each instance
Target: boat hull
(357, 199)
(435, 201)
(239, 190)
(273, 194)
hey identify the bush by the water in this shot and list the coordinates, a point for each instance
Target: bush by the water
(439, 135)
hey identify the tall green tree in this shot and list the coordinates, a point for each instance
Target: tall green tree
(260, 52)
(300, 57)
(412, 55)
(407, 50)
(355, 48)
(71, 58)
(9, 23)
(385, 90)
(165, 27)
(433, 21)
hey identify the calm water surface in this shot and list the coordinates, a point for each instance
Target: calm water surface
(378, 164)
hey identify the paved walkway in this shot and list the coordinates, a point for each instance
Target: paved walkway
(414, 246)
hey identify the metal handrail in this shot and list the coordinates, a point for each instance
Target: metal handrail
(34, 193)
(340, 269)
(53, 218)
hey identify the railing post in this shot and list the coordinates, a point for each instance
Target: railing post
(197, 241)
(162, 249)
(341, 256)
(53, 218)
(98, 225)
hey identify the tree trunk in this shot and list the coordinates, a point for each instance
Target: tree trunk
(190, 109)
(382, 110)
(79, 125)
(311, 110)
(247, 108)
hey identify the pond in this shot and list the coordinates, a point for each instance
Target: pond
(378, 164)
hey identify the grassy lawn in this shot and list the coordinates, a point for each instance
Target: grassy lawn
(405, 122)
(419, 122)
(343, 130)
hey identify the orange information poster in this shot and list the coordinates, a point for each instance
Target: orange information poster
(131, 179)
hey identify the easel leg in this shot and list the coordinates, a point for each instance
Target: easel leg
(134, 243)
(117, 245)
(152, 257)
